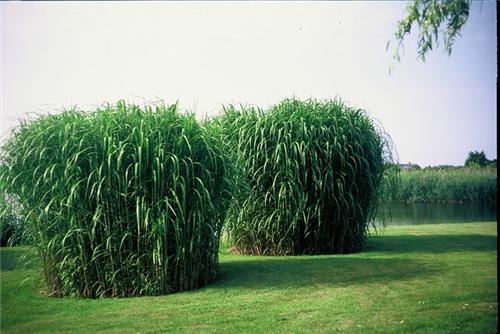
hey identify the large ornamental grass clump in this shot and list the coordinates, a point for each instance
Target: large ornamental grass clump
(122, 201)
(310, 176)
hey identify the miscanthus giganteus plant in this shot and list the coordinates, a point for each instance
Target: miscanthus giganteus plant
(310, 176)
(122, 201)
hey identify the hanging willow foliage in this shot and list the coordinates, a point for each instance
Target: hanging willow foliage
(309, 177)
(122, 201)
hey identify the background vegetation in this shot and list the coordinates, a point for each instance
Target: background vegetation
(11, 223)
(478, 159)
(450, 184)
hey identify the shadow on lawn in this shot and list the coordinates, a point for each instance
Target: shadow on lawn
(14, 258)
(432, 243)
(293, 272)
(346, 270)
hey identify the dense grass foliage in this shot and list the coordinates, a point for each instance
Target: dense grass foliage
(447, 185)
(122, 201)
(309, 176)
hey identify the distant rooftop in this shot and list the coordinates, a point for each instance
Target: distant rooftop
(409, 166)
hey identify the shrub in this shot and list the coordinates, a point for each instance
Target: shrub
(122, 201)
(309, 176)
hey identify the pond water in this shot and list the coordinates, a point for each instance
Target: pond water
(438, 213)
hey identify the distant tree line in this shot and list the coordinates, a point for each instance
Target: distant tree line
(474, 159)
(478, 159)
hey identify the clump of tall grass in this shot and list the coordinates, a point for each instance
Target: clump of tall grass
(122, 201)
(309, 177)
(460, 184)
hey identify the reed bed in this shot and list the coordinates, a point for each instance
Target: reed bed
(122, 201)
(308, 177)
(447, 185)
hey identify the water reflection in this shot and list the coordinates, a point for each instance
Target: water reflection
(438, 213)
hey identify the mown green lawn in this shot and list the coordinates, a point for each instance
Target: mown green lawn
(412, 279)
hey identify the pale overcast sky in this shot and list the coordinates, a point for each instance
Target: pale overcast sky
(206, 54)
